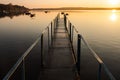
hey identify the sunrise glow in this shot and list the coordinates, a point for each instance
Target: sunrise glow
(113, 2)
(113, 11)
(64, 3)
(113, 17)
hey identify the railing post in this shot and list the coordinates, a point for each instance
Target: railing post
(48, 38)
(70, 32)
(78, 53)
(23, 70)
(65, 20)
(58, 15)
(68, 26)
(42, 50)
(99, 71)
(56, 21)
(55, 24)
(51, 33)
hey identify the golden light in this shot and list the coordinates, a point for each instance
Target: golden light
(113, 11)
(113, 2)
(113, 17)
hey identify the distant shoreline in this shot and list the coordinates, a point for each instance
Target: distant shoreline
(10, 8)
(75, 8)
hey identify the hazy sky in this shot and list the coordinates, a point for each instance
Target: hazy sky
(64, 3)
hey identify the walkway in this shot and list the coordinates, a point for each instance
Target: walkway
(59, 64)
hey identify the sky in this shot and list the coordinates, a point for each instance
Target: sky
(64, 3)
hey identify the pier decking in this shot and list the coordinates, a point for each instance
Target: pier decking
(60, 64)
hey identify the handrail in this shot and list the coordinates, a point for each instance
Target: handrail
(94, 53)
(75, 29)
(73, 26)
(99, 60)
(21, 59)
(13, 69)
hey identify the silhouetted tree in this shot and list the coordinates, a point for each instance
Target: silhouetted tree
(10, 8)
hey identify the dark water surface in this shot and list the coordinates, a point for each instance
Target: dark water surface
(100, 28)
(102, 31)
(17, 33)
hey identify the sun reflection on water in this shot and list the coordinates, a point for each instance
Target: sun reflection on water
(113, 11)
(113, 17)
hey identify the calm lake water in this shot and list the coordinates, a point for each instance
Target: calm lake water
(102, 31)
(17, 33)
(100, 28)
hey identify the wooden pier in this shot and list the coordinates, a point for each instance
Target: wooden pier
(59, 65)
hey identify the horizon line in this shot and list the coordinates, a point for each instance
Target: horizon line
(78, 8)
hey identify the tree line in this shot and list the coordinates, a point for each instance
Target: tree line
(10, 8)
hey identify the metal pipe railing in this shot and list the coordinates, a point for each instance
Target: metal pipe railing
(78, 56)
(21, 60)
(101, 63)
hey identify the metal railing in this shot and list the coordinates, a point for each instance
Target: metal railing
(72, 31)
(48, 32)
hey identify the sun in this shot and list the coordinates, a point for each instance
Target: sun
(113, 2)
